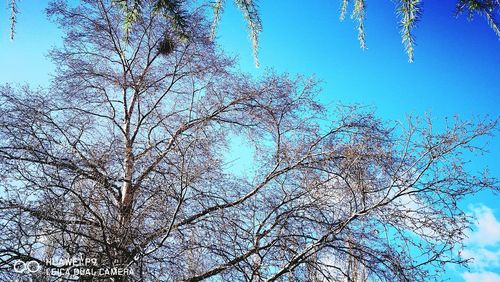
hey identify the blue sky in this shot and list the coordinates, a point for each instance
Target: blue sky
(455, 72)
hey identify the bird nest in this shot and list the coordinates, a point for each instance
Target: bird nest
(166, 46)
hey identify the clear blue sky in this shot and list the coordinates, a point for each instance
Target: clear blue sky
(456, 68)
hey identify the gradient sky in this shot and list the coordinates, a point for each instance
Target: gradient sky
(456, 72)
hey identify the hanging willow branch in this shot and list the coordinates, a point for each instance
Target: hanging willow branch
(218, 9)
(132, 11)
(488, 8)
(409, 12)
(13, 21)
(359, 14)
(251, 14)
(343, 9)
(170, 9)
(173, 10)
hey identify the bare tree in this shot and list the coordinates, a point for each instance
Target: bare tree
(123, 160)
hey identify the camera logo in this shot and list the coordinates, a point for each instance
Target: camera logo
(26, 267)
